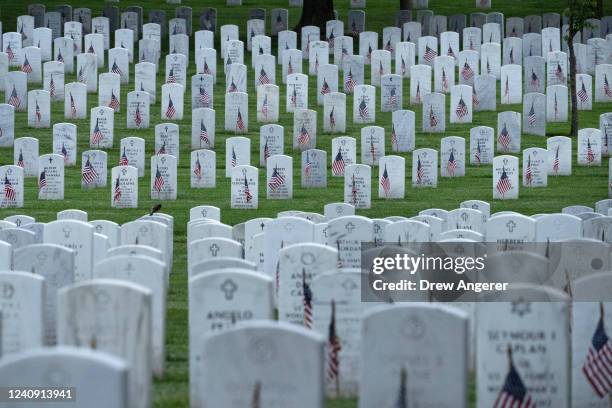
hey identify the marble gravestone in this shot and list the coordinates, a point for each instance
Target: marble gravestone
(86, 317)
(505, 177)
(424, 168)
(269, 368)
(244, 187)
(357, 185)
(344, 152)
(124, 181)
(22, 327)
(203, 170)
(559, 155)
(51, 177)
(387, 375)
(225, 297)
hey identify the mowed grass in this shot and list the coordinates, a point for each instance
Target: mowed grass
(585, 186)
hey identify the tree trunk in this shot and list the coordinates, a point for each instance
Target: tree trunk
(572, 77)
(600, 9)
(404, 5)
(316, 13)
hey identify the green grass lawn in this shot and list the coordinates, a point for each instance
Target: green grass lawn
(585, 186)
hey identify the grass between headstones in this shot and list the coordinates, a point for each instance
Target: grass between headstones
(586, 185)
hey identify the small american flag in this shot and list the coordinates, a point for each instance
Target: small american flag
(170, 111)
(430, 53)
(289, 67)
(26, 67)
(280, 25)
(467, 72)
(606, 87)
(264, 107)
(138, 116)
(228, 62)
(556, 162)
(417, 97)
(307, 300)
(392, 97)
(304, 136)
(203, 97)
(559, 73)
(316, 63)
(308, 166)
(354, 190)
(388, 46)
(488, 66)
(433, 120)
(420, 173)
(511, 56)
(531, 117)
(89, 173)
(349, 83)
(239, 121)
(385, 183)
(513, 394)
(294, 97)
(444, 80)
(82, 77)
(325, 87)
(11, 53)
(528, 172)
(393, 136)
(42, 180)
(60, 57)
(450, 52)
(234, 159)
(372, 149)
(9, 191)
(597, 367)
(38, 114)
(461, 110)
(338, 164)
(114, 102)
(97, 136)
(504, 138)
(354, 28)
(451, 166)
(477, 154)
(197, 168)
(203, 134)
(171, 78)
(123, 160)
(20, 161)
(503, 184)
(403, 68)
(232, 86)
(52, 86)
(263, 77)
(333, 349)
(247, 191)
(331, 39)
(159, 181)
(402, 393)
(369, 54)
(64, 153)
(90, 50)
(207, 68)
(475, 98)
(266, 151)
(582, 93)
(162, 149)
(332, 118)
(381, 70)
(73, 109)
(115, 68)
(471, 46)
(14, 99)
(363, 109)
(117, 191)
(507, 88)
(590, 157)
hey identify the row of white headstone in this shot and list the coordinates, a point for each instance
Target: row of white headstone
(256, 361)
